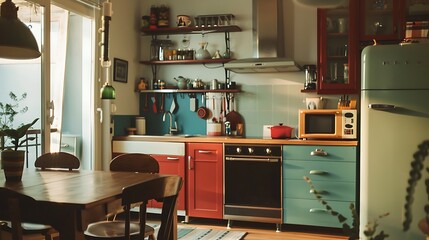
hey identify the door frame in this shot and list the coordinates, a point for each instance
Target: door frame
(86, 10)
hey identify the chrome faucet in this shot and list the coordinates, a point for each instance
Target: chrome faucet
(171, 129)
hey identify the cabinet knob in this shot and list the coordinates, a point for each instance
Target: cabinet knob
(238, 150)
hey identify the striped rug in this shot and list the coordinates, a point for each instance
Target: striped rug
(198, 233)
(188, 233)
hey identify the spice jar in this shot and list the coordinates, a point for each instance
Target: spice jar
(163, 16)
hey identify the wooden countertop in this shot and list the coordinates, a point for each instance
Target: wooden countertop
(236, 140)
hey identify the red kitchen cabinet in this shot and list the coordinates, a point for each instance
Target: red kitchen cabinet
(338, 55)
(204, 180)
(382, 20)
(172, 164)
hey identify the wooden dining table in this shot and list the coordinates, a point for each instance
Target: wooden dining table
(69, 200)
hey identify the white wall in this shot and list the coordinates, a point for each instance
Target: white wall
(125, 44)
(300, 40)
(263, 101)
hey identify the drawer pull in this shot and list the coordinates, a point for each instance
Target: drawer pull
(65, 145)
(318, 172)
(312, 191)
(172, 158)
(204, 152)
(189, 163)
(316, 210)
(319, 152)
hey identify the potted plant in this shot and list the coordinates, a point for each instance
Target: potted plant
(12, 158)
(417, 166)
(352, 231)
(8, 111)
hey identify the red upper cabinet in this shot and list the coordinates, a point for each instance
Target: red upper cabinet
(382, 20)
(204, 174)
(338, 44)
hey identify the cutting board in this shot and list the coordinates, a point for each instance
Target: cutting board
(234, 118)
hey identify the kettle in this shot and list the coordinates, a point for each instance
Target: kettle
(203, 53)
(181, 82)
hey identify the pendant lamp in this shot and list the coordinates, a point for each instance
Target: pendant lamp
(16, 39)
(322, 3)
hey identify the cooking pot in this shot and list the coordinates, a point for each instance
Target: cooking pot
(280, 131)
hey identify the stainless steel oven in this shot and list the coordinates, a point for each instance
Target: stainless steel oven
(252, 184)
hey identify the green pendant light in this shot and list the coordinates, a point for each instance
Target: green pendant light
(16, 39)
(107, 91)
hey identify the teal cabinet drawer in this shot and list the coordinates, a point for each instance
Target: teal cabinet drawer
(333, 153)
(312, 212)
(320, 171)
(338, 191)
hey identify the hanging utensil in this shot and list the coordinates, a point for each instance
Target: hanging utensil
(192, 103)
(173, 104)
(203, 111)
(234, 117)
(146, 103)
(154, 107)
(161, 109)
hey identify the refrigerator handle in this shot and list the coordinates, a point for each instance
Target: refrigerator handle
(385, 107)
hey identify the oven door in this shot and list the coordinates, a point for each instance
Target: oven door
(253, 189)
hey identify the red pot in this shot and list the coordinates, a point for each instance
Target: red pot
(280, 131)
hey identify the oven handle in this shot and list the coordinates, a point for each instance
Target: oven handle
(252, 159)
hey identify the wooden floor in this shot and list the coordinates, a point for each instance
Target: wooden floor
(264, 231)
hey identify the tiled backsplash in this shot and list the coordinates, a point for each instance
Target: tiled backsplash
(259, 105)
(273, 104)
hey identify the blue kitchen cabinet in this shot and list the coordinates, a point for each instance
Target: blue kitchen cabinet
(332, 170)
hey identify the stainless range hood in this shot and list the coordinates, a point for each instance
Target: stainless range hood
(268, 42)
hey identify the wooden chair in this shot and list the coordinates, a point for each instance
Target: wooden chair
(61, 160)
(134, 162)
(14, 200)
(166, 188)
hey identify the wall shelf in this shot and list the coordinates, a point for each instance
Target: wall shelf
(190, 91)
(205, 61)
(190, 30)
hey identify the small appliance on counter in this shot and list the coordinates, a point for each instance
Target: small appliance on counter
(310, 77)
(315, 103)
(327, 124)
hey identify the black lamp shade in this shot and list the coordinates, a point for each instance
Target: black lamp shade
(16, 39)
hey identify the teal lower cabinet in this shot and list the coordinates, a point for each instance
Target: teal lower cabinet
(332, 170)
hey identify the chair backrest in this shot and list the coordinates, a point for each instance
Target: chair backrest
(134, 162)
(57, 160)
(13, 202)
(166, 188)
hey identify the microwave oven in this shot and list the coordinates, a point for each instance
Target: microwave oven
(327, 124)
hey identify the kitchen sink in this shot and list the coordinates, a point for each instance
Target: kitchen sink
(167, 136)
(181, 135)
